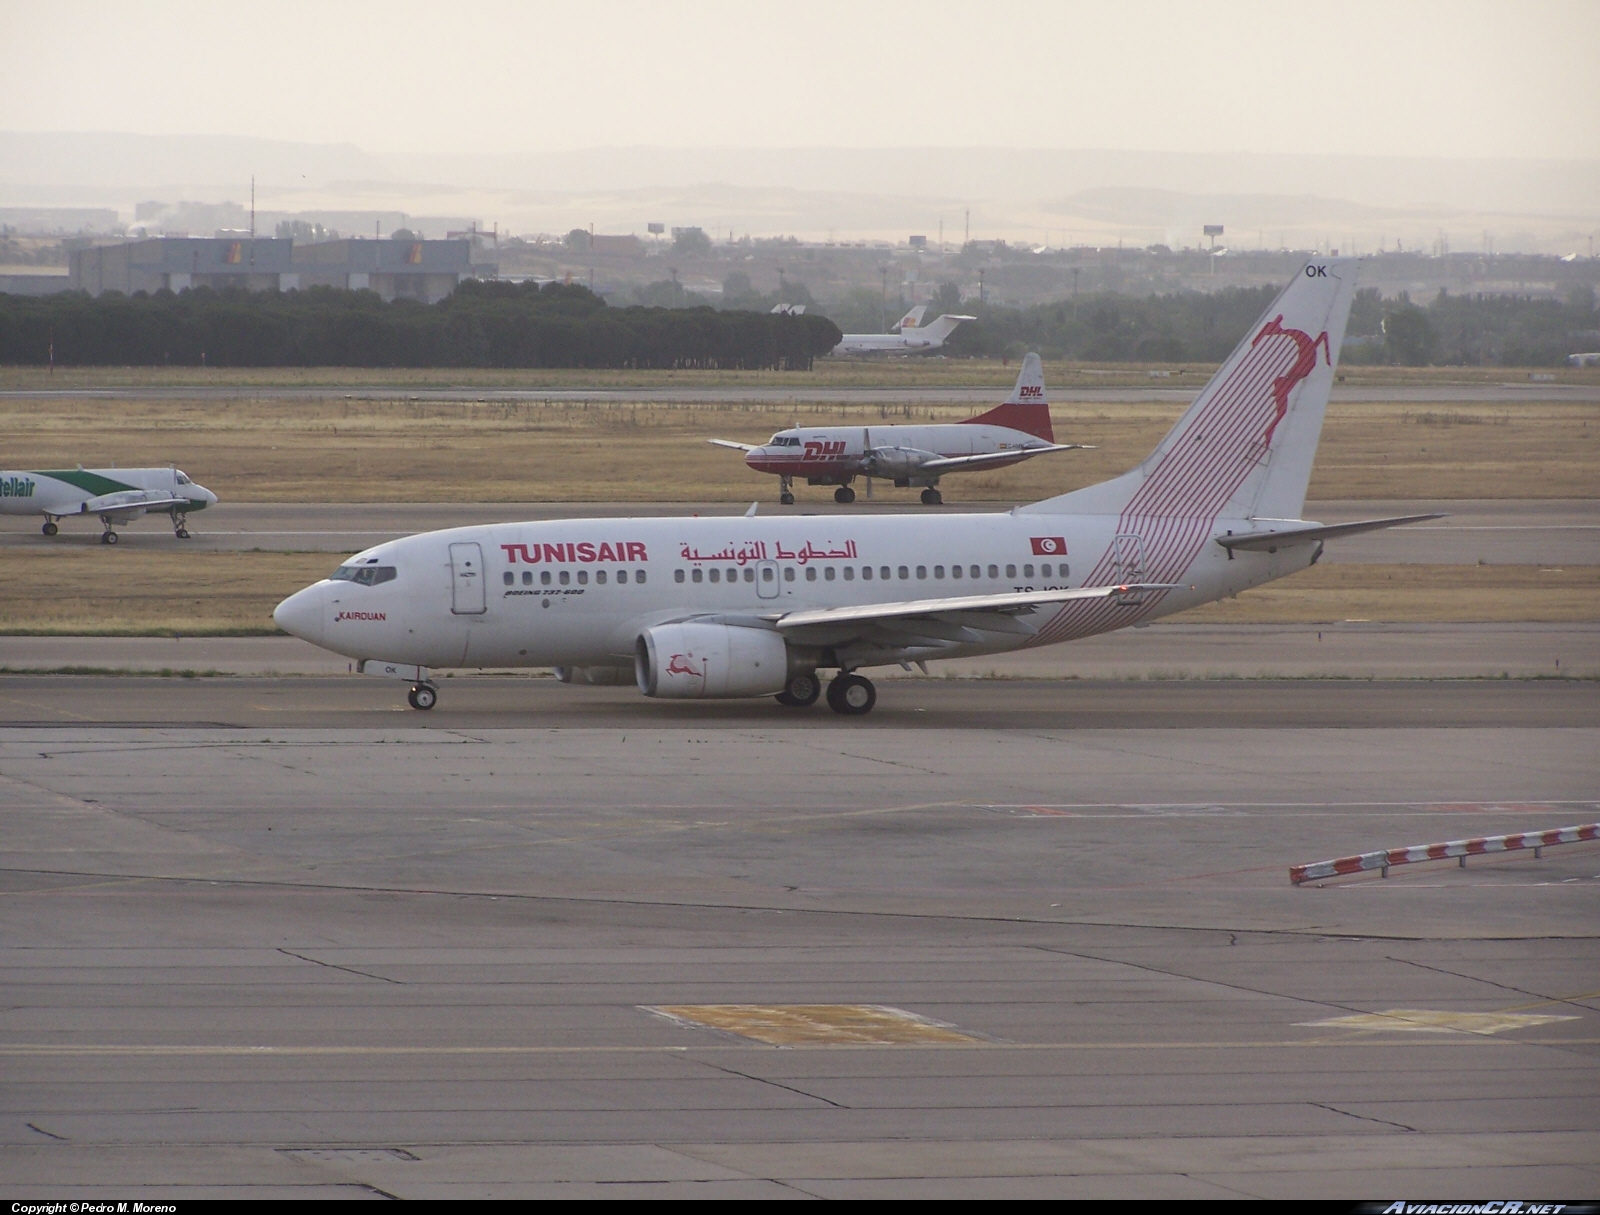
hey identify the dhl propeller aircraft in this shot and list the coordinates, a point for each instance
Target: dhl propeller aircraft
(1017, 429)
(726, 607)
(116, 495)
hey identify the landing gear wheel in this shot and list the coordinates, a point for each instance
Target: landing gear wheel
(932, 497)
(852, 695)
(108, 537)
(786, 498)
(844, 495)
(182, 533)
(802, 691)
(423, 696)
(50, 527)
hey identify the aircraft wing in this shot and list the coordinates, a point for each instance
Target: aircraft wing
(950, 621)
(1272, 540)
(988, 459)
(732, 444)
(138, 500)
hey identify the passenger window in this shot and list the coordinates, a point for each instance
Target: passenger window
(622, 576)
(827, 574)
(866, 573)
(1027, 571)
(1011, 571)
(544, 577)
(697, 575)
(788, 573)
(849, 573)
(749, 574)
(583, 577)
(508, 578)
(638, 576)
(811, 573)
(904, 573)
(599, 578)
(976, 572)
(733, 575)
(566, 578)
(994, 571)
(922, 571)
(766, 573)
(716, 575)
(883, 572)
(1044, 570)
(955, 571)
(527, 577)
(677, 575)
(938, 571)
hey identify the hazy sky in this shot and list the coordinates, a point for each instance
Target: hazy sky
(1462, 78)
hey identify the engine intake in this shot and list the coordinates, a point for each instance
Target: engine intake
(710, 661)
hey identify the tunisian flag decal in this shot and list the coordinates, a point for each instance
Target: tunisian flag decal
(1049, 546)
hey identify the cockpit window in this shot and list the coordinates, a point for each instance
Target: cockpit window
(784, 441)
(183, 479)
(366, 575)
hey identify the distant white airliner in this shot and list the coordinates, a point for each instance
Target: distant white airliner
(1018, 429)
(910, 336)
(704, 608)
(116, 495)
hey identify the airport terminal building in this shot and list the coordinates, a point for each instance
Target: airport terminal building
(421, 270)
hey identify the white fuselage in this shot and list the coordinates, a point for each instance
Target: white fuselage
(828, 454)
(579, 593)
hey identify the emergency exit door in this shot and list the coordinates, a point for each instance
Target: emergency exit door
(467, 593)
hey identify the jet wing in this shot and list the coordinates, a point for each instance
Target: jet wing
(963, 463)
(953, 621)
(1272, 540)
(730, 443)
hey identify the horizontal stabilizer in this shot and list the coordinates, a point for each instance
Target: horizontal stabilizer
(1284, 536)
(990, 459)
(732, 444)
(1008, 602)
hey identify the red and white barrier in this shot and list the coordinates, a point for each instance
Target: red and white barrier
(1439, 852)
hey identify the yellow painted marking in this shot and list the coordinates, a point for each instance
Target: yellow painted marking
(1431, 1020)
(818, 1024)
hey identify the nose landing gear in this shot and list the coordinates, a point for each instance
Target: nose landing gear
(852, 695)
(423, 696)
(785, 491)
(180, 526)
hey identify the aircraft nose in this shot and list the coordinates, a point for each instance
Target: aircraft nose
(302, 614)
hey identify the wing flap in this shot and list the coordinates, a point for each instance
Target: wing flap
(1272, 540)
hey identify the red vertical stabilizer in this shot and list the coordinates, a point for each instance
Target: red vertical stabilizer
(1026, 408)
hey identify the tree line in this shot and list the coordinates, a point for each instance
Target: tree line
(480, 325)
(1453, 330)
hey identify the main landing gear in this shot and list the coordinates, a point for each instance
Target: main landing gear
(49, 527)
(423, 696)
(785, 491)
(852, 695)
(932, 497)
(844, 495)
(802, 691)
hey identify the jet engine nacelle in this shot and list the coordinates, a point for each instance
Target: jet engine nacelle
(708, 661)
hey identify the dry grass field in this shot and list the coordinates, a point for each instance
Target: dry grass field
(95, 591)
(339, 450)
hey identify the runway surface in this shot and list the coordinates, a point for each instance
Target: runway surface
(1163, 651)
(1496, 531)
(1469, 393)
(327, 947)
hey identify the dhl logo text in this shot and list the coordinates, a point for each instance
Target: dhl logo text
(1031, 392)
(584, 552)
(818, 450)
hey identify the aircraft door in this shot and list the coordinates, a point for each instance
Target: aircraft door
(467, 592)
(767, 579)
(1130, 565)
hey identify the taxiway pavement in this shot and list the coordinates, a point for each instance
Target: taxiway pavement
(324, 946)
(1497, 532)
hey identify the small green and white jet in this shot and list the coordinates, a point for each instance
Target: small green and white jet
(116, 495)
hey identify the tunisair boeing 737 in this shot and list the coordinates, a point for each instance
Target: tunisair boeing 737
(728, 607)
